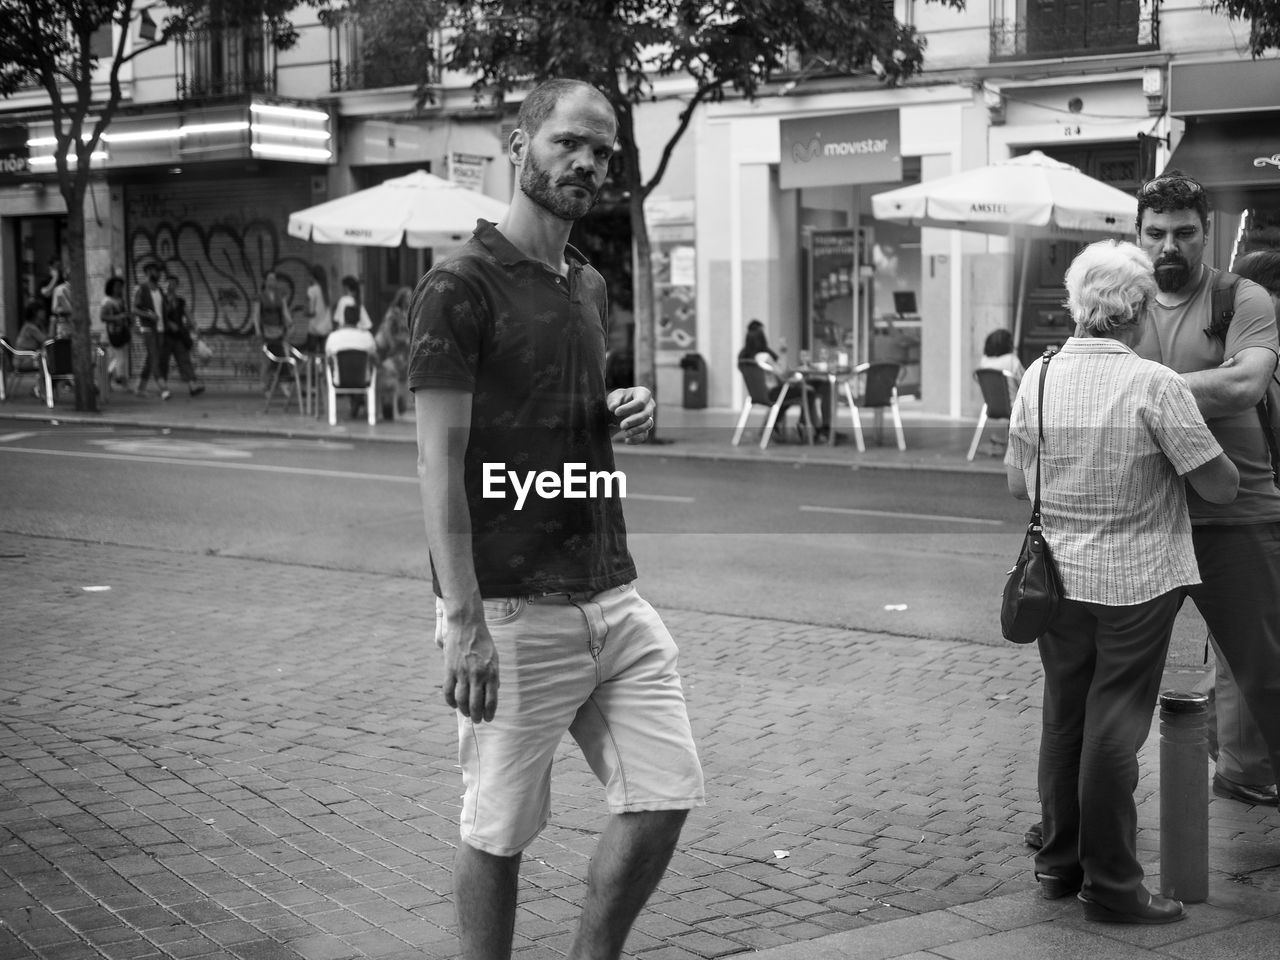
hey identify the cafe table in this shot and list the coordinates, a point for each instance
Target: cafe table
(838, 379)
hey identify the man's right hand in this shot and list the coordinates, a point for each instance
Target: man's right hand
(471, 671)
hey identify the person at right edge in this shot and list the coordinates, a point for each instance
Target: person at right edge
(1119, 431)
(1228, 371)
(507, 368)
(1242, 770)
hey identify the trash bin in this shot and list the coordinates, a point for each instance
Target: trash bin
(695, 381)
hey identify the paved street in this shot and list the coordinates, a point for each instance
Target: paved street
(236, 756)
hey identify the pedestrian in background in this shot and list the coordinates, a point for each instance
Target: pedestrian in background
(1118, 433)
(756, 349)
(319, 321)
(1228, 371)
(392, 339)
(176, 342)
(507, 364)
(997, 354)
(60, 309)
(116, 320)
(349, 336)
(271, 322)
(31, 338)
(52, 278)
(349, 311)
(148, 314)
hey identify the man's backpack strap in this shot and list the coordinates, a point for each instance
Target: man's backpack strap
(1222, 310)
(1222, 306)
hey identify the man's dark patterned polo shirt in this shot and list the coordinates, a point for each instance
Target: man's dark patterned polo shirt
(529, 345)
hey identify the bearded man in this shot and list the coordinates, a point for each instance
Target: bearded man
(507, 368)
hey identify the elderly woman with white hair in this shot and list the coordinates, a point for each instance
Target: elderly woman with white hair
(1119, 432)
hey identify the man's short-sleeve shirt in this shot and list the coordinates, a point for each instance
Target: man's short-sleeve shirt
(529, 345)
(1176, 336)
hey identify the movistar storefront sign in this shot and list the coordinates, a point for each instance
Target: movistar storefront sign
(840, 148)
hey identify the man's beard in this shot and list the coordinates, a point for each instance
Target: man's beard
(535, 182)
(1172, 272)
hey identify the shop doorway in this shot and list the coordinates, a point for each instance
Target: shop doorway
(35, 241)
(384, 270)
(1046, 321)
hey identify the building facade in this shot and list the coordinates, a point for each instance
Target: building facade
(784, 227)
(763, 212)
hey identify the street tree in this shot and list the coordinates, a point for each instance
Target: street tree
(74, 50)
(1263, 17)
(717, 47)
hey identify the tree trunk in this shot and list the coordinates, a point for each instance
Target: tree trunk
(82, 349)
(643, 300)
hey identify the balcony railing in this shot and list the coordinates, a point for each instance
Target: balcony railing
(217, 62)
(1035, 29)
(361, 62)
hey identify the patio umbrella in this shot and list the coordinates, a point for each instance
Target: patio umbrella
(1030, 197)
(420, 210)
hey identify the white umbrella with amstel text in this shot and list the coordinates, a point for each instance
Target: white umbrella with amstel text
(1031, 196)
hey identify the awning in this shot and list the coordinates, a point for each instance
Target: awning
(1231, 154)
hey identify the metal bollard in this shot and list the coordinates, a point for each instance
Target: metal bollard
(1184, 799)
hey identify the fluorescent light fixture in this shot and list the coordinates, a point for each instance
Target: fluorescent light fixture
(96, 157)
(143, 136)
(230, 126)
(297, 113)
(297, 133)
(297, 153)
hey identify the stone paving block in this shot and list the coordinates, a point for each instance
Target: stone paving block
(249, 739)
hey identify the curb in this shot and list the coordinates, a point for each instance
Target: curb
(671, 449)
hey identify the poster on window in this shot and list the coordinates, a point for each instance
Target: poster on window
(467, 170)
(675, 287)
(832, 270)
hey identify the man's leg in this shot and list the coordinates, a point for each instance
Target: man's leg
(1242, 752)
(484, 896)
(630, 858)
(1240, 569)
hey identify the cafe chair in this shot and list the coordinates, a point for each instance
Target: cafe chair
(791, 394)
(353, 373)
(998, 389)
(279, 365)
(880, 392)
(56, 367)
(14, 365)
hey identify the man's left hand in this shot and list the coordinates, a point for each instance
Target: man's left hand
(633, 411)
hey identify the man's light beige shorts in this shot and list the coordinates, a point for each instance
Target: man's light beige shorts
(604, 668)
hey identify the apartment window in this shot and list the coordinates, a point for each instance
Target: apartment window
(1031, 29)
(366, 59)
(219, 61)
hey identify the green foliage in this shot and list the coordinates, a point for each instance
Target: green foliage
(396, 42)
(1264, 21)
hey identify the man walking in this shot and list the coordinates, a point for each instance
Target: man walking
(148, 309)
(531, 572)
(1237, 544)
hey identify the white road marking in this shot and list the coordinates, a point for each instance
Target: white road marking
(273, 468)
(10, 437)
(901, 516)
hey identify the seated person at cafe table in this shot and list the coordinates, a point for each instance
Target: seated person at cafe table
(756, 347)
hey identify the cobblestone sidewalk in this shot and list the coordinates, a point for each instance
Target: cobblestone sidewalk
(223, 758)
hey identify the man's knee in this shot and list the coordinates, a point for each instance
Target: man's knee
(659, 827)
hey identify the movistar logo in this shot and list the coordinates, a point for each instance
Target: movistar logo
(804, 152)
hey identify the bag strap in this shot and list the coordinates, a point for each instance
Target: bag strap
(1044, 366)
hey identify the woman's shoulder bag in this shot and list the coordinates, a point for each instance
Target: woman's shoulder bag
(1034, 588)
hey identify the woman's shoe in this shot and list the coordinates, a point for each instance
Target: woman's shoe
(1157, 910)
(1055, 888)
